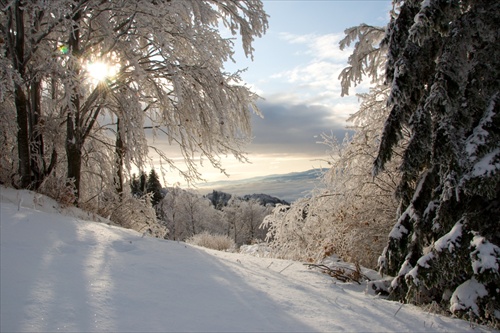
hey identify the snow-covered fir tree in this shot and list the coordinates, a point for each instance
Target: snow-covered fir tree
(443, 68)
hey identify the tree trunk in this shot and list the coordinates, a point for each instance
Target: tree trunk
(15, 42)
(73, 134)
(119, 150)
(23, 146)
(74, 146)
(37, 160)
(38, 163)
(74, 156)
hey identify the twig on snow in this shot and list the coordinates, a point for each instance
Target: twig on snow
(343, 274)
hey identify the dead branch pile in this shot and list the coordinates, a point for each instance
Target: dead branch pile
(343, 274)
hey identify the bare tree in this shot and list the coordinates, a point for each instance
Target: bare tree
(186, 214)
(168, 57)
(27, 53)
(244, 219)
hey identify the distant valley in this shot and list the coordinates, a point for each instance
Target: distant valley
(288, 187)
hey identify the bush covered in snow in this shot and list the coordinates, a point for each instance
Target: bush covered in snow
(311, 229)
(261, 250)
(212, 241)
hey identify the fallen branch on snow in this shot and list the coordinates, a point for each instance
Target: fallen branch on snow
(343, 274)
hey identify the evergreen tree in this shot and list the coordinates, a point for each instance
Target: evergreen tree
(443, 69)
(139, 186)
(153, 186)
(219, 199)
(142, 182)
(134, 185)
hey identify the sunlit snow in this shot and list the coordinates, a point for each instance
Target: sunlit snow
(61, 273)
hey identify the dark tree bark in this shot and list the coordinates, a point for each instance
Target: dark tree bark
(23, 146)
(73, 135)
(16, 43)
(119, 151)
(37, 151)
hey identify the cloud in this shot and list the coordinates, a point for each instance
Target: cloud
(285, 140)
(302, 100)
(320, 47)
(305, 101)
(316, 79)
(295, 128)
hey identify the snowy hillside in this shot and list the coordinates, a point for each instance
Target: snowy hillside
(60, 273)
(289, 187)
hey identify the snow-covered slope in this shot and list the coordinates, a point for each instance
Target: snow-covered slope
(60, 273)
(289, 187)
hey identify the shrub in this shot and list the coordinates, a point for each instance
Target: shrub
(59, 188)
(312, 229)
(212, 241)
(132, 213)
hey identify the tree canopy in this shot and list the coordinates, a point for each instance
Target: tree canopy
(164, 60)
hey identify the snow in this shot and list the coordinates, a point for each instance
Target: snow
(425, 3)
(450, 240)
(405, 268)
(479, 135)
(485, 257)
(62, 273)
(431, 207)
(257, 250)
(487, 164)
(466, 295)
(399, 230)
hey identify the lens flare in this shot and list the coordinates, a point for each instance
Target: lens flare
(63, 49)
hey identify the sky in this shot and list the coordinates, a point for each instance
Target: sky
(295, 72)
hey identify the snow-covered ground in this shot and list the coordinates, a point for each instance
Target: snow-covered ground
(62, 273)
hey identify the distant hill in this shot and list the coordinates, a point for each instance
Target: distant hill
(221, 199)
(289, 187)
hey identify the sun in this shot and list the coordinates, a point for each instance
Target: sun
(100, 71)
